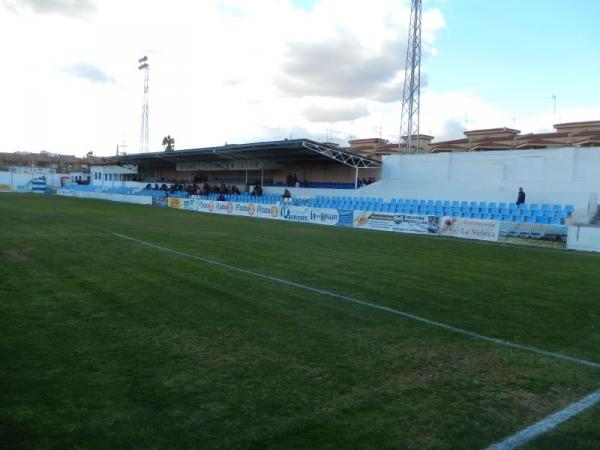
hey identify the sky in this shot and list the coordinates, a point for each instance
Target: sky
(236, 71)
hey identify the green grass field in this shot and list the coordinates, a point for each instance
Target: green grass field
(106, 343)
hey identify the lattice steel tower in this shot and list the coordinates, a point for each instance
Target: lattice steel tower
(411, 95)
(144, 140)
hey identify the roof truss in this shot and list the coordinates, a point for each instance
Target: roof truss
(349, 159)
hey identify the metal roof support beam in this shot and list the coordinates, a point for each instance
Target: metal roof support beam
(348, 159)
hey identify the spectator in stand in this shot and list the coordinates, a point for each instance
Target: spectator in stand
(148, 187)
(289, 180)
(521, 197)
(257, 191)
(221, 197)
(295, 181)
(287, 194)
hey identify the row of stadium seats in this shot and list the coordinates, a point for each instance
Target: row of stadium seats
(244, 197)
(100, 189)
(322, 185)
(152, 192)
(480, 206)
(331, 185)
(532, 213)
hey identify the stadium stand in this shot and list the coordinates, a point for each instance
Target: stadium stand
(525, 213)
(502, 211)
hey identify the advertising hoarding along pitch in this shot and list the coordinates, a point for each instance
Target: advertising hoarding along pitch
(484, 230)
(400, 223)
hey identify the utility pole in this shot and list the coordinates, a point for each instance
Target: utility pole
(144, 140)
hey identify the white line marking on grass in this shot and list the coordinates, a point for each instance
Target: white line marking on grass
(407, 315)
(547, 424)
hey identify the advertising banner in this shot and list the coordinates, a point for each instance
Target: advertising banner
(205, 206)
(346, 217)
(264, 211)
(190, 204)
(160, 202)
(174, 202)
(485, 230)
(400, 223)
(321, 216)
(4, 187)
(535, 234)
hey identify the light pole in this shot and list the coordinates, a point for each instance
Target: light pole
(144, 140)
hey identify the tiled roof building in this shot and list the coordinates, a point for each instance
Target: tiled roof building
(573, 134)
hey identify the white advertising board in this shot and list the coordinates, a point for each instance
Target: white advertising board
(461, 227)
(400, 223)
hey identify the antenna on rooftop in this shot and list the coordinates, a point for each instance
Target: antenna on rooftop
(144, 140)
(411, 95)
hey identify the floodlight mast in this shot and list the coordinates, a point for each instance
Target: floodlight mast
(411, 94)
(144, 136)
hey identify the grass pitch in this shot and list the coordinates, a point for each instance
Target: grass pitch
(109, 344)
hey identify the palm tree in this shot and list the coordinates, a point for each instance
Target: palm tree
(169, 143)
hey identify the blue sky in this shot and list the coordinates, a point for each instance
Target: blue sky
(518, 53)
(249, 70)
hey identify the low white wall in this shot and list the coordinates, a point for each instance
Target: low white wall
(563, 176)
(21, 181)
(566, 169)
(138, 199)
(584, 238)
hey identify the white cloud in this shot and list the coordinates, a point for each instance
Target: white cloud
(83, 9)
(89, 72)
(339, 113)
(220, 71)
